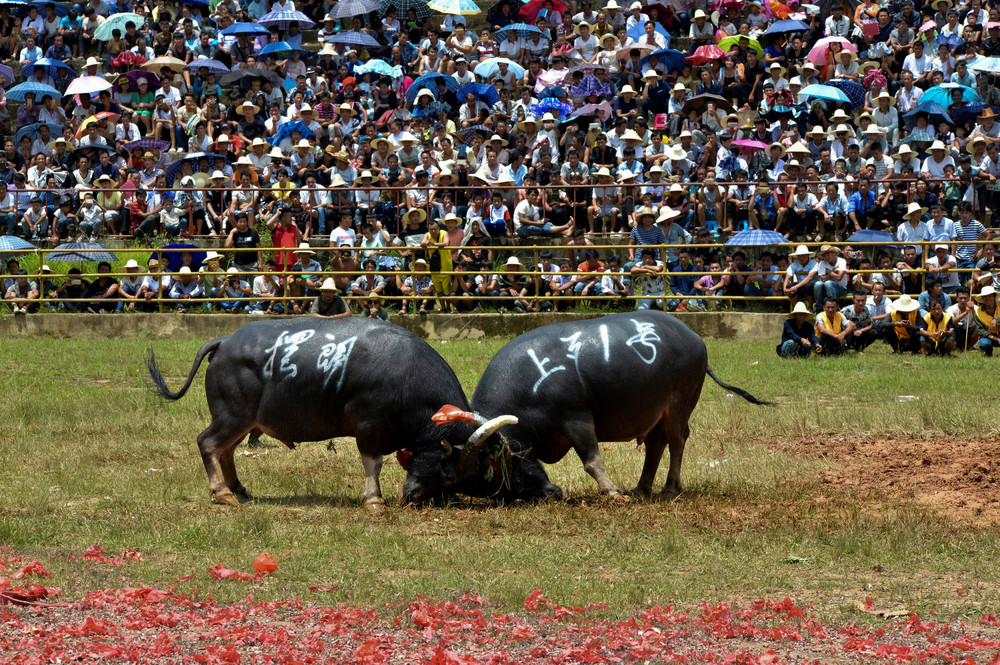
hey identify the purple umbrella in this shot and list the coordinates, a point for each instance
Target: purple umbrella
(590, 85)
(152, 79)
(7, 73)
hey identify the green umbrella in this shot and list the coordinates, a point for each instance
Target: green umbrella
(118, 22)
(729, 43)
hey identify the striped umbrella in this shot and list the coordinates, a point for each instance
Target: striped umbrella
(515, 31)
(989, 65)
(213, 66)
(354, 38)
(81, 252)
(12, 246)
(419, 7)
(756, 238)
(39, 90)
(148, 143)
(465, 135)
(282, 19)
(351, 8)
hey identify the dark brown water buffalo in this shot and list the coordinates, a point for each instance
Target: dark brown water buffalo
(315, 379)
(635, 375)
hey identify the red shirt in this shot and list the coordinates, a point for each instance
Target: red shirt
(285, 237)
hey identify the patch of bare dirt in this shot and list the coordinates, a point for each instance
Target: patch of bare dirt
(959, 478)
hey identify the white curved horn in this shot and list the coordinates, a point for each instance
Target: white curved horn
(470, 453)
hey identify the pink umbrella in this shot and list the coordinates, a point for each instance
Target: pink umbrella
(817, 55)
(750, 146)
(530, 11)
(704, 54)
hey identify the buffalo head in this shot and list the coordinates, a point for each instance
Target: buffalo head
(484, 465)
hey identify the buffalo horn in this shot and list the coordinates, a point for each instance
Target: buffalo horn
(447, 447)
(470, 453)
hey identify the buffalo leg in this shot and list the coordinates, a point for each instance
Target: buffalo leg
(373, 491)
(677, 436)
(213, 443)
(229, 473)
(587, 447)
(655, 444)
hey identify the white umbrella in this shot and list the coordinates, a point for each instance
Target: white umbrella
(87, 85)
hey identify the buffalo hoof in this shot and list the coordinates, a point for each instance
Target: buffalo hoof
(617, 496)
(225, 497)
(641, 492)
(242, 494)
(375, 505)
(669, 494)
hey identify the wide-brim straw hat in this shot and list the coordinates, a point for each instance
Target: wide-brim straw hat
(800, 308)
(905, 304)
(987, 291)
(779, 147)
(914, 208)
(801, 250)
(420, 211)
(304, 248)
(329, 285)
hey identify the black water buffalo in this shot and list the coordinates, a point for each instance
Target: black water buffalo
(634, 375)
(314, 379)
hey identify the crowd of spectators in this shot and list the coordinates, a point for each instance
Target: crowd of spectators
(416, 143)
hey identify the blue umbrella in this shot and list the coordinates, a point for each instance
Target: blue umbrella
(867, 235)
(515, 31)
(31, 131)
(854, 91)
(40, 5)
(353, 38)
(380, 67)
(286, 129)
(246, 29)
(780, 27)
(432, 110)
(756, 238)
(488, 68)
(941, 94)
(638, 31)
(431, 81)
(176, 167)
(277, 47)
(213, 66)
(918, 136)
(591, 85)
(71, 253)
(552, 105)
(413, 91)
(53, 68)
(172, 253)
(482, 91)
(282, 19)
(989, 65)
(672, 58)
(11, 246)
(931, 109)
(970, 112)
(824, 92)
(18, 92)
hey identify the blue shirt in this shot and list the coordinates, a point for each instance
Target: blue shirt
(861, 204)
(682, 281)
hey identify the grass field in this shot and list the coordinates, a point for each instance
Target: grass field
(779, 502)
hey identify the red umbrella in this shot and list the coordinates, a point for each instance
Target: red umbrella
(530, 11)
(705, 54)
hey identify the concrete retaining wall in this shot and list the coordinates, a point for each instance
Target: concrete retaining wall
(711, 325)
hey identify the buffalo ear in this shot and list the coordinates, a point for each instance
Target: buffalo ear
(447, 447)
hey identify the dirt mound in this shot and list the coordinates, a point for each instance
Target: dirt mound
(957, 477)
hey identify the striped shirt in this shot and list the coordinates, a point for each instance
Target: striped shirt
(972, 231)
(643, 237)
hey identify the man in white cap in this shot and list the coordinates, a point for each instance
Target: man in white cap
(184, 289)
(701, 33)
(129, 287)
(943, 265)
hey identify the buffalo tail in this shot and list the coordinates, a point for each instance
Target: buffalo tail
(739, 391)
(159, 385)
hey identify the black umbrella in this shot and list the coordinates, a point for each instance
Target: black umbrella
(475, 130)
(700, 102)
(91, 151)
(241, 75)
